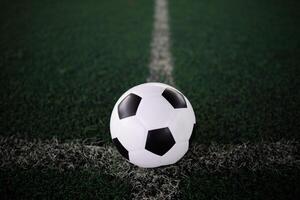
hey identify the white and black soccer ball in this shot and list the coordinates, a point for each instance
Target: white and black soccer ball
(151, 125)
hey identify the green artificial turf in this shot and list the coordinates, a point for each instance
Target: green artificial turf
(243, 184)
(65, 63)
(238, 63)
(51, 184)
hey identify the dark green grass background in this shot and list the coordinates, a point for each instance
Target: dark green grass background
(65, 63)
(52, 184)
(239, 64)
(268, 184)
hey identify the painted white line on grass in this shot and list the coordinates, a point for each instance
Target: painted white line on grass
(158, 183)
(161, 60)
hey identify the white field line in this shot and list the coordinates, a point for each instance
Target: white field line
(161, 60)
(159, 183)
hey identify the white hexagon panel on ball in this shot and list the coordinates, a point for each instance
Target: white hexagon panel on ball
(151, 125)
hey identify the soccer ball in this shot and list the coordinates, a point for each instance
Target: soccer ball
(151, 125)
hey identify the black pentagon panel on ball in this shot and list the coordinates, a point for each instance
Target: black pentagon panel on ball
(159, 141)
(174, 98)
(121, 148)
(128, 106)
